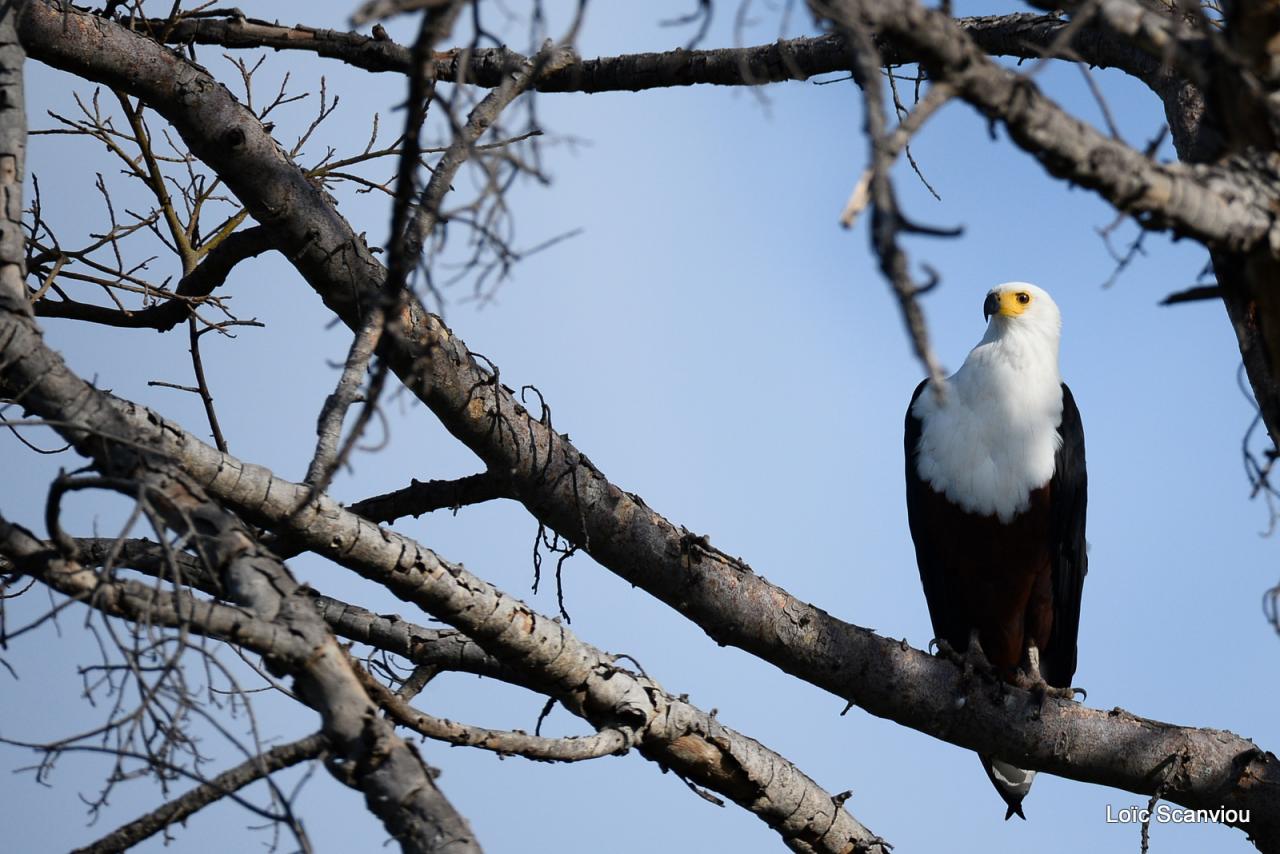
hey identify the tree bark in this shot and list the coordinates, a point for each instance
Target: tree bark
(13, 148)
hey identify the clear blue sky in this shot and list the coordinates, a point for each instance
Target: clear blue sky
(717, 344)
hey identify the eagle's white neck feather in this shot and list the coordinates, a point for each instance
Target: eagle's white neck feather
(993, 437)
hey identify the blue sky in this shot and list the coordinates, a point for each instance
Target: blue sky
(719, 345)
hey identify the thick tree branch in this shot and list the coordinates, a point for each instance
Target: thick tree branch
(450, 650)
(1207, 124)
(587, 681)
(177, 609)
(1161, 34)
(433, 648)
(26, 553)
(20, 551)
(1218, 206)
(396, 783)
(882, 675)
(442, 649)
(1163, 198)
(1228, 207)
(13, 156)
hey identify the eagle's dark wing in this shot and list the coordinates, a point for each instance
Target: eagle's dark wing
(1068, 495)
(948, 624)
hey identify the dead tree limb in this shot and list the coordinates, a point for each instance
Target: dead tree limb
(209, 275)
(1024, 35)
(583, 678)
(179, 809)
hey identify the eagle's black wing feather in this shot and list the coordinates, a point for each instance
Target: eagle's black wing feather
(946, 622)
(1068, 497)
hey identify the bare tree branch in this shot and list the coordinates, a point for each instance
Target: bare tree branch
(887, 221)
(895, 143)
(179, 809)
(1190, 201)
(571, 749)
(1022, 35)
(426, 496)
(882, 675)
(436, 24)
(376, 9)
(398, 786)
(583, 678)
(329, 425)
(209, 275)
(442, 649)
(1214, 205)
(1195, 293)
(516, 80)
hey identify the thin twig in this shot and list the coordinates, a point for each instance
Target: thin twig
(179, 809)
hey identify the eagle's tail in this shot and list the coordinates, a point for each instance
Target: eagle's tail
(1012, 784)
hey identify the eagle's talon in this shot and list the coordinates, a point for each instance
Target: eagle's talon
(971, 663)
(1069, 693)
(945, 650)
(1030, 679)
(1043, 690)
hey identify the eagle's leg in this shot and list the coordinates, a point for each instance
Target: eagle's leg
(946, 650)
(972, 661)
(1030, 679)
(976, 659)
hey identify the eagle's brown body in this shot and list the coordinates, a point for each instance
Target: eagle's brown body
(999, 576)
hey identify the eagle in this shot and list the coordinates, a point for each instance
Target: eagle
(996, 494)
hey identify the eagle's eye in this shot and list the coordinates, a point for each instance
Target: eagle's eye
(1023, 297)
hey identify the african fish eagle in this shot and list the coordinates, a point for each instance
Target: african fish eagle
(996, 501)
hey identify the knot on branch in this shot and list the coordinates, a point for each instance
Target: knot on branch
(233, 138)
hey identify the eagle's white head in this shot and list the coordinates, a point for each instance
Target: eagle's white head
(993, 438)
(1023, 311)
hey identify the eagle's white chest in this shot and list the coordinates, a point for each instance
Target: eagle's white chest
(995, 437)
